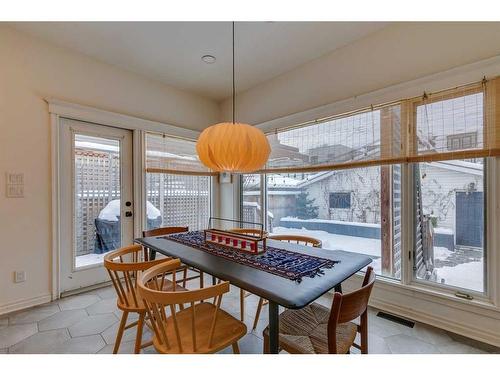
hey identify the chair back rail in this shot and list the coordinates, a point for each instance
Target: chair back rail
(249, 231)
(164, 231)
(158, 301)
(301, 240)
(349, 306)
(123, 266)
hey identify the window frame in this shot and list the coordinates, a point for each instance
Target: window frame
(476, 295)
(407, 279)
(491, 181)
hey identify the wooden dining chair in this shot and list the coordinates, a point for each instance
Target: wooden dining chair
(316, 329)
(202, 327)
(151, 254)
(123, 265)
(243, 293)
(301, 240)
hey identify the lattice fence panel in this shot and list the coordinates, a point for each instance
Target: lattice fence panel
(182, 199)
(97, 182)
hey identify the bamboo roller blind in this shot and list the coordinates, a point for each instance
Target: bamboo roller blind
(459, 123)
(169, 154)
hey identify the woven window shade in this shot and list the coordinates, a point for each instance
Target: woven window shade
(459, 123)
(368, 137)
(168, 154)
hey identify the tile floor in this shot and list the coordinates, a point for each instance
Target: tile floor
(87, 323)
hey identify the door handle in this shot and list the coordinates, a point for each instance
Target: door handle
(128, 213)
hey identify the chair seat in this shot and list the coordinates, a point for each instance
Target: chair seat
(227, 331)
(168, 286)
(305, 331)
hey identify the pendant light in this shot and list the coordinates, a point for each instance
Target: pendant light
(231, 146)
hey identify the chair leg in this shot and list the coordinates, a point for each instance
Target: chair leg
(202, 276)
(185, 275)
(119, 334)
(266, 344)
(364, 333)
(257, 313)
(236, 348)
(138, 338)
(242, 304)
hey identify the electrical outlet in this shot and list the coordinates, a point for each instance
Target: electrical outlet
(19, 276)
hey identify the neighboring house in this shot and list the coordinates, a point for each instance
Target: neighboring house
(354, 195)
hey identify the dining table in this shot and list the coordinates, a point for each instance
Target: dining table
(277, 290)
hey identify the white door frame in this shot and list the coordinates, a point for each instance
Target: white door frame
(75, 278)
(58, 109)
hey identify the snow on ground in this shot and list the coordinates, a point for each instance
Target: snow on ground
(88, 260)
(112, 211)
(441, 253)
(367, 246)
(442, 230)
(465, 275)
(370, 225)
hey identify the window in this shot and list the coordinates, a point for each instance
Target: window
(178, 186)
(451, 124)
(317, 205)
(340, 200)
(177, 200)
(341, 180)
(449, 200)
(369, 135)
(450, 225)
(252, 202)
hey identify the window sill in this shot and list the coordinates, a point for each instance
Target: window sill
(434, 294)
(476, 319)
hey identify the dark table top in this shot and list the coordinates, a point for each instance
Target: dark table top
(285, 292)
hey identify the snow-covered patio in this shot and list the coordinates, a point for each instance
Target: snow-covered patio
(462, 268)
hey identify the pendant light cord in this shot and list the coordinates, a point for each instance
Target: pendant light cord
(233, 79)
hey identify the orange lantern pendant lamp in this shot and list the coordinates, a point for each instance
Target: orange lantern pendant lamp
(231, 146)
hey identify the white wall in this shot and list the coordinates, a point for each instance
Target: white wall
(31, 70)
(396, 54)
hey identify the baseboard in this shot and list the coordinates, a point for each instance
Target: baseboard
(85, 289)
(472, 320)
(24, 303)
(440, 322)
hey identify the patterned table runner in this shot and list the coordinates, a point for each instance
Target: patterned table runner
(281, 262)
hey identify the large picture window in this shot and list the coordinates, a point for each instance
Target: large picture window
(301, 204)
(343, 181)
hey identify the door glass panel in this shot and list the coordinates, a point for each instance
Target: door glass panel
(97, 225)
(449, 223)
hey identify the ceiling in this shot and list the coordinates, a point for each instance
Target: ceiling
(171, 52)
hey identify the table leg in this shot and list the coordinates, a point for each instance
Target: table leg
(273, 327)
(152, 254)
(338, 288)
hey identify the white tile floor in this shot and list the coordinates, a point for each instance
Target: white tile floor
(87, 323)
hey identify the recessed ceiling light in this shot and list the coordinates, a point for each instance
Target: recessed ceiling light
(209, 59)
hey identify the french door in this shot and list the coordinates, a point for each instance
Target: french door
(96, 208)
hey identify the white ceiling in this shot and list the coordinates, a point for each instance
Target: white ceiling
(171, 51)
